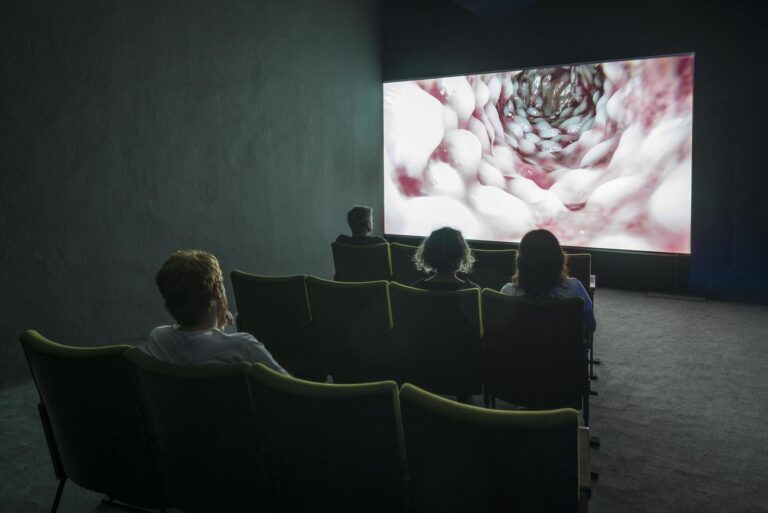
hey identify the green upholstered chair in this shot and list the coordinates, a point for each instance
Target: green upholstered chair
(533, 351)
(493, 267)
(464, 458)
(439, 336)
(96, 433)
(331, 448)
(361, 263)
(275, 310)
(580, 267)
(205, 429)
(351, 329)
(403, 269)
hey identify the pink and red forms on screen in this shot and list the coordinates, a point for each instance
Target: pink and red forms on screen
(599, 154)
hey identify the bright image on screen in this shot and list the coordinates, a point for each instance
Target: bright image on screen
(599, 154)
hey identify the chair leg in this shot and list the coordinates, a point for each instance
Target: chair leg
(110, 502)
(592, 360)
(59, 491)
(594, 441)
(585, 402)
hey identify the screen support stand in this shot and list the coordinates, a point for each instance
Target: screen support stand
(676, 294)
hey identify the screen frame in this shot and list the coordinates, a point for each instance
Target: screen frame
(510, 244)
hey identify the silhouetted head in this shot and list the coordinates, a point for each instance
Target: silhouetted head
(444, 251)
(192, 286)
(360, 220)
(540, 263)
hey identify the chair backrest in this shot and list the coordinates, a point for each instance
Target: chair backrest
(92, 402)
(533, 350)
(580, 267)
(361, 263)
(330, 447)
(275, 310)
(351, 329)
(464, 458)
(203, 420)
(403, 269)
(493, 267)
(438, 335)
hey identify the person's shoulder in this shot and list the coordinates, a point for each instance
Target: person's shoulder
(571, 283)
(343, 238)
(159, 337)
(511, 289)
(161, 332)
(571, 287)
(255, 351)
(368, 240)
(238, 337)
(238, 343)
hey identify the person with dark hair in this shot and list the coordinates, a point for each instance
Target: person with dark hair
(360, 220)
(192, 285)
(542, 272)
(442, 255)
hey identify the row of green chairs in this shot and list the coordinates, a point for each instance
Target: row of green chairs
(493, 269)
(241, 438)
(527, 352)
(394, 262)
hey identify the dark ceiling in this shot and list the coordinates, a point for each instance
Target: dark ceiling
(495, 12)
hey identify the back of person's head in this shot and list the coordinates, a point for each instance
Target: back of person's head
(540, 263)
(444, 251)
(360, 219)
(187, 282)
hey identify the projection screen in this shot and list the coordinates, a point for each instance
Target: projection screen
(598, 153)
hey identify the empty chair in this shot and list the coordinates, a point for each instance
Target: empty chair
(464, 458)
(203, 421)
(439, 338)
(330, 447)
(403, 269)
(534, 353)
(274, 309)
(580, 267)
(95, 431)
(361, 262)
(351, 329)
(493, 268)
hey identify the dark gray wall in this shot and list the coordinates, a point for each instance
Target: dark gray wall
(424, 38)
(131, 129)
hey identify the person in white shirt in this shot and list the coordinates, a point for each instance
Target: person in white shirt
(542, 272)
(192, 285)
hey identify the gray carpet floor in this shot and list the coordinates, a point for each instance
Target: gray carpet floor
(682, 414)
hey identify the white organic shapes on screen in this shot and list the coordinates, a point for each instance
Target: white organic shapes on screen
(414, 126)
(598, 153)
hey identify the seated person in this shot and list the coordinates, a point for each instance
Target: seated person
(443, 254)
(360, 221)
(541, 272)
(192, 286)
